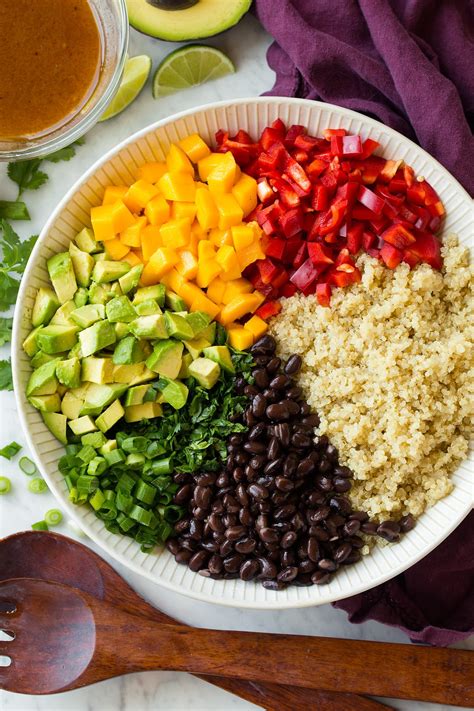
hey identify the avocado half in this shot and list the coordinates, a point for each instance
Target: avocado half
(185, 19)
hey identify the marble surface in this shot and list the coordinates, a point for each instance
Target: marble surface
(246, 45)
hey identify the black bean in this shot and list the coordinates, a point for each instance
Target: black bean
(215, 565)
(287, 557)
(322, 441)
(274, 467)
(265, 345)
(361, 516)
(324, 483)
(342, 552)
(172, 545)
(295, 393)
(262, 521)
(183, 494)
(369, 528)
(327, 564)
(257, 461)
(305, 467)
(233, 562)
(233, 533)
(249, 417)
(341, 485)
(273, 585)
(249, 569)
(278, 411)
(320, 577)
(182, 525)
(259, 405)
(183, 556)
(251, 390)
(284, 512)
(288, 539)
(257, 431)
(356, 542)
(315, 498)
(222, 480)
(406, 523)
(226, 548)
(273, 365)
(313, 549)
(319, 533)
(210, 546)
(257, 492)
(354, 557)
(273, 450)
(319, 514)
(299, 439)
(311, 420)
(341, 503)
(268, 569)
(215, 522)
(271, 395)
(306, 566)
(290, 466)
(282, 432)
(268, 535)
(389, 531)
(280, 382)
(351, 527)
(287, 574)
(262, 360)
(284, 484)
(255, 447)
(198, 561)
(293, 407)
(246, 545)
(203, 496)
(181, 478)
(196, 529)
(245, 517)
(293, 364)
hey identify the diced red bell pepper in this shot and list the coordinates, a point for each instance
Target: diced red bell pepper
(265, 192)
(319, 254)
(373, 252)
(398, 236)
(301, 255)
(268, 270)
(391, 256)
(435, 224)
(297, 174)
(424, 217)
(397, 185)
(343, 257)
(276, 248)
(281, 279)
(269, 137)
(288, 290)
(362, 213)
(329, 181)
(337, 145)
(349, 191)
(389, 170)
(368, 240)
(344, 276)
(428, 248)
(354, 237)
(292, 247)
(291, 222)
(320, 199)
(268, 309)
(243, 137)
(329, 132)
(266, 289)
(368, 147)
(352, 146)
(288, 196)
(379, 224)
(279, 126)
(332, 219)
(309, 143)
(371, 168)
(408, 175)
(370, 200)
(305, 275)
(410, 258)
(301, 156)
(323, 294)
(315, 168)
(292, 134)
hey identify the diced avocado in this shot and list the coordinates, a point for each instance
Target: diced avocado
(43, 381)
(205, 371)
(166, 358)
(110, 416)
(109, 446)
(82, 425)
(63, 279)
(209, 333)
(82, 263)
(109, 271)
(81, 392)
(46, 305)
(130, 280)
(127, 351)
(121, 330)
(157, 291)
(85, 316)
(136, 395)
(221, 355)
(56, 424)
(61, 317)
(101, 396)
(149, 327)
(30, 344)
(196, 346)
(85, 240)
(41, 358)
(115, 289)
(100, 257)
(68, 372)
(98, 336)
(61, 390)
(175, 394)
(186, 361)
(81, 297)
(97, 370)
(177, 326)
(199, 321)
(71, 406)
(174, 302)
(57, 338)
(98, 295)
(47, 403)
(93, 439)
(120, 309)
(145, 377)
(145, 411)
(127, 373)
(149, 307)
(75, 351)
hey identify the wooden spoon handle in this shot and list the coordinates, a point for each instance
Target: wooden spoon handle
(344, 666)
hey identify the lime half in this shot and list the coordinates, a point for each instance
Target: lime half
(136, 72)
(189, 66)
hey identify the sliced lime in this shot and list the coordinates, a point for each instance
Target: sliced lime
(189, 66)
(136, 72)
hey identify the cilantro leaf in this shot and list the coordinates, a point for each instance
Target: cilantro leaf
(15, 252)
(6, 378)
(5, 330)
(10, 450)
(65, 153)
(13, 210)
(27, 174)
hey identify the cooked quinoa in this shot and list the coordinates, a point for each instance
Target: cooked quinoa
(388, 367)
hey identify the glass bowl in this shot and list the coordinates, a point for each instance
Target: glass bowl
(112, 18)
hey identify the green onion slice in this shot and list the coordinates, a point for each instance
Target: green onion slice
(5, 485)
(27, 466)
(53, 517)
(40, 526)
(37, 486)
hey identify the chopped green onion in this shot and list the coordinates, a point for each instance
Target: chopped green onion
(27, 466)
(97, 499)
(144, 492)
(5, 485)
(53, 517)
(162, 466)
(40, 526)
(10, 450)
(37, 486)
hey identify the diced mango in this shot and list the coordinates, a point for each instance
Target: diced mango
(132, 259)
(208, 269)
(187, 265)
(193, 243)
(226, 257)
(176, 233)
(206, 250)
(238, 173)
(242, 236)
(113, 193)
(220, 237)
(216, 290)
(250, 254)
(230, 212)
(239, 338)
(178, 186)
(139, 194)
(189, 292)
(150, 241)
(157, 210)
(116, 249)
(152, 172)
(221, 178)
(236, 288)
(256, 326)
(102, 218)
(202, 303)
(206, 165)
(173, 280)
(206, 213)
(245, 192)
(183, 209)
(161, 262)
(241, 305)
(132, 235)
(139, 254)
(177, 161)
(195, 148)
(122, 217)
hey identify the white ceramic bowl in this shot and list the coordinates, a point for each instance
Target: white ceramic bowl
(119, 166)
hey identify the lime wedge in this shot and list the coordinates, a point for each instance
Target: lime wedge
(136, 72)
(189, 66)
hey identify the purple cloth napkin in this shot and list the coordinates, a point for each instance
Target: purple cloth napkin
(407, 63)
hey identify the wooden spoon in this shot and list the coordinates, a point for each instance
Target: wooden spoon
(50, 556)
(65, 639)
